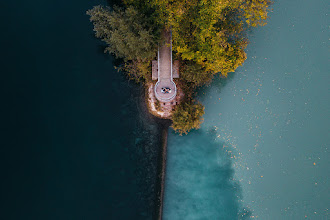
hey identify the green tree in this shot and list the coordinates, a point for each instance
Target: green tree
(255, 11)
(126, 32)
(137, 70)
(128, 35)
(187, 116)
(210, 32)
(208, 37)
(195, 74)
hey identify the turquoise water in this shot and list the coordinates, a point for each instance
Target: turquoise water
(263, 148)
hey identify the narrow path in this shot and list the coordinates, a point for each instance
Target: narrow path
(165, 59)
(165, 76)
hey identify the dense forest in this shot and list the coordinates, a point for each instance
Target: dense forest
(209, 38)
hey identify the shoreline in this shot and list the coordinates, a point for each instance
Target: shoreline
(162, 172)
(163, 126)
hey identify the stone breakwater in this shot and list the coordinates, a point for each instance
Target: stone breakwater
(162, 172)
(160, 146)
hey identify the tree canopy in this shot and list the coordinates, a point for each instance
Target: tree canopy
(208, 37)
(208, 32)
(187, 116)
(128, 34)
(125, 31)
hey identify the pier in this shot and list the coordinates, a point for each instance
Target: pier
(165, 88)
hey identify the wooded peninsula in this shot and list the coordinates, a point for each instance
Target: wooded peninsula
(208, 38)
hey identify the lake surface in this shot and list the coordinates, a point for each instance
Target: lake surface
(74, 140)
(263, 149)
(76, 144)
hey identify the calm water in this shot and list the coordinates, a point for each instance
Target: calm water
(263, 148)
(74, 142)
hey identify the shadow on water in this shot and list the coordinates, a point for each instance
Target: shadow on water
(200, 179)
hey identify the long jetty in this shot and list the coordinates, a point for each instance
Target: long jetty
(165, 70)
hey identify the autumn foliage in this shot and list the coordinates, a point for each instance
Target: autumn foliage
(209, 38)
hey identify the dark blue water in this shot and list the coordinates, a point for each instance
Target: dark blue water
(75, 143)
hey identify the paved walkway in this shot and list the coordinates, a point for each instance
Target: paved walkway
(165, 77)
